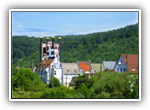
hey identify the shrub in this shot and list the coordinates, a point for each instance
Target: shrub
(114, 85)
(56, 82)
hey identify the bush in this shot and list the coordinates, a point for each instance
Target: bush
(114, 85)
(56, 82)
(84, 90)
(56, 92)
(26, 79)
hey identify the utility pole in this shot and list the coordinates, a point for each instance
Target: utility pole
(66, 80)
(128, 64)
(100, 69)
(52, 76)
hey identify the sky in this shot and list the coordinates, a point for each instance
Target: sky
(69, 23)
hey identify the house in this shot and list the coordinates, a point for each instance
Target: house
(72, 84)
(121, 65)
(109, 65)
(96, 67)
(50, 65)
(85, 66)
(69, 70)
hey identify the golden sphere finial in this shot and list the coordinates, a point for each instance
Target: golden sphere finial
(59, 38)
(47, 38)
(41, 37)
(53, 37)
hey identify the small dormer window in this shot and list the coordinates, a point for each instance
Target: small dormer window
(87, 63)
(81, 71)
(120, 62)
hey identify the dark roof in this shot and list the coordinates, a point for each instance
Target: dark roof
(109, 70)
(109, 64)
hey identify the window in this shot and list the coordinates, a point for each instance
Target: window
(44, 50)
(120, 62)
(133, 69)
(54, 72)
(75, 71)
(86, 70)
(81, 71)
(47, 48)
(52, 52)
(87, 63)
(69, 71)
(124, 69)
(118, 69)
(121, 69)
(137, 68)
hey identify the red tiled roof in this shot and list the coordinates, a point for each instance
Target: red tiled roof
(45, 63)
(84, 66)
(133, 62)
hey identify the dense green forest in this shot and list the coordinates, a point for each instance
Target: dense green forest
(95, 46)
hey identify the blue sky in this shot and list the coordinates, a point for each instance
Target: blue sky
(67, 23)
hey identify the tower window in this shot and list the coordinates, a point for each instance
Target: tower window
(52, 52)
(120, 62)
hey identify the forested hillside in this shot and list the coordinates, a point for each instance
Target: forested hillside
(95, 46)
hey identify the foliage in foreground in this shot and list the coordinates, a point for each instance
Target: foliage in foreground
(27, 84)
(115, 85)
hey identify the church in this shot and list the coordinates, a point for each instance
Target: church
(50, 61)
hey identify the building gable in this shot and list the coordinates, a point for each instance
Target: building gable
(120, 65)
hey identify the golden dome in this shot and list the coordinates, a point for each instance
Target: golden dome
(47, 38)
(53, 37)
(41, 37)
(59, 38)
